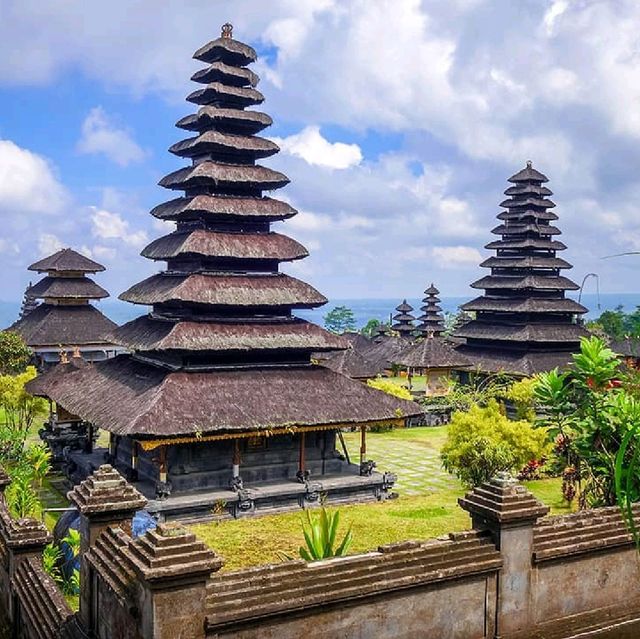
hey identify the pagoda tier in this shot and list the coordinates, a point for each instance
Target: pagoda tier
(523, 323)
(66, 319)
(219, 387)
(29, 302)
(431, 320)
(403, 320)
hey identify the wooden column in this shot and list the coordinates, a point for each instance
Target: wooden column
(162, 466)
(363, 444)
(236, 458)
(301, 459)
(112, 447)
(134, 461)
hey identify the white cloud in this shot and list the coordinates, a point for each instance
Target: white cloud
(101, 135)
(28, 183)
(314, 149)
(456, 256)
(111, 226)
(48, 244)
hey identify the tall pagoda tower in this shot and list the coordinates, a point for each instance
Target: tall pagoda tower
(65, 320)
(219, 398)
(403, 320)
(431, 320)
(523, 323)
(29, 302)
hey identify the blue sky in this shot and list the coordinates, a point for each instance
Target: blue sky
(399, 122)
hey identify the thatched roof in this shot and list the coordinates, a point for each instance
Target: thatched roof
(53, 325)
(225, 290)
(384, 351)
(199, 206)
(404, 307)
(357, 341)
(231, 95)
(147, 333)
(68, 288)
(233, 146)
(227, 50)
(226, 73)
(66, 260)
(518, 282)
(352, 364)
(526, 243)
(627, 347)
(126, 397)
(543, 332)
(524, 305)
(518, 229)
(528, 214)
(527, 201)
(525, 262)
(525, 189)
(225, 175)
(38, 385)
(255, 246)
(432, 352)
(232, 120)
(528, 174)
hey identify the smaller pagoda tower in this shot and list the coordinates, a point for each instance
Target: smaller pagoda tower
(66, 320)
(403, 320)
(29, 302)
(431, 320)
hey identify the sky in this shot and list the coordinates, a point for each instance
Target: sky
(399, 122)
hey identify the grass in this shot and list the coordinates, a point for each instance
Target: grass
(432, 512)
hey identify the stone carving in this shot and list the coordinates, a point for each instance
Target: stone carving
(163, 490)
(236, 484)
(367, 467)
(303, 476)
(245, 504)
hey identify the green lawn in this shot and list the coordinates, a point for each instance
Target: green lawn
(426, 506)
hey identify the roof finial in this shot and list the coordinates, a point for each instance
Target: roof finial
(76, 351)
(63, 356)
(529, 164)
(227, 30)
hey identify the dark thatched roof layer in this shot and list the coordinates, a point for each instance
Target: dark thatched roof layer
(66, 260)
(225, 290)
(38, 385)
(538, 282)
(404, 307)
(528, 214)
(52, 325)
(432, 352)
(225, 175)
(68, 288)
(526, 201)
(226, 73)
(527, 243)
(526, 262)
(225, 144)
(358, 342)
(524, 189)
(189, 208)
(546, 333)
(233, 120)
(126, 397)
(230, 95)
(352, 364)
(256, 246)
(146, 333)
(627, 347)
(524, 305)
(227, 50)
(528, 174)
(518, 229)
(384, 350)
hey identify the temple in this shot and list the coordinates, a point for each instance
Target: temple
(65, 320)
(523, 323)
(403, 320)
(431, 320)
(218, 401)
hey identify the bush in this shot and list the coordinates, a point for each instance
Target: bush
(389, 387)
(522, 394)
(482, 442)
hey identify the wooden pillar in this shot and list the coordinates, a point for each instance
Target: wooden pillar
(363, 444)
(133, 475)
(162, 467)
(236, 458)
(301, 459)
(112, 446)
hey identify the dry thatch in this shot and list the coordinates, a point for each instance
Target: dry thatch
(126, 397)
(66, 260)
(199, 206)
(524, 305)
(226, 50)
(225, 290)
(227, 74)
(384, 351)
(68, 288)
(525, 262)
(627, 347)
(245, 146)
(432, 352)
(147, 333)
(352, 364)
(527, 201)
(516, 214)
(545, 333)
(254, 246)
(525, 189)
(52, 325)
(517, 229)
(230, 95)
(225, 175)
(527, 242)
(538, 282)
(528, 174)
(232, 120)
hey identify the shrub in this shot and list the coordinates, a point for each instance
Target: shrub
(389, 387)
(482, 442)
(522, 394)
(320, 536)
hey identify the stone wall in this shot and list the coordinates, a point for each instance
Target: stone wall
(517, 574)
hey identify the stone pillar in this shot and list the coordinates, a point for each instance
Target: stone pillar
(104, 500)
(173, 568)
(509, 511)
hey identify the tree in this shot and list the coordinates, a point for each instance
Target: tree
(368, 329)
(14, 353)
(339, 320)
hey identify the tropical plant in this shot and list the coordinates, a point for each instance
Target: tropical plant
(21, 497)
(38, 458)
(483, 441)
(478, 392)
(51, 560)
(320, 532)
(389, 387)
(14, 353)
(339, 320)
(369, 328)
(522, 395)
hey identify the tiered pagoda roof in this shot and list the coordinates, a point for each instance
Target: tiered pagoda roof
(65, 317)
(221, 349)
(523, 323)
(403, 320)
(431, 320)
(29, 302)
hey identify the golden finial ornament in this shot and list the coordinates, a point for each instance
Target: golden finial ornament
(76, 351)
(529, 164)
(227, 30)
(63, 356)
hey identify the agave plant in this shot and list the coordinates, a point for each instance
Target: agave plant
(320, 534)
(51, 559)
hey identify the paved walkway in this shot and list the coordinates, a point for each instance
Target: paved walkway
(413, 454)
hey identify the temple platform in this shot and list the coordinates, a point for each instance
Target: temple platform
(258, 498)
